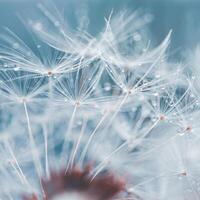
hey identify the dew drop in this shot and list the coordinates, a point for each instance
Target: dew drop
(16, 69)
(156, 94)
(137, 37)
(157, 76)
(79, 122)
(5, 65)
(107, 87)
(57, 23)
(37, 26)
(181, 133)
(16, 45)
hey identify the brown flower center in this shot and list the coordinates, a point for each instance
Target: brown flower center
(77, 183)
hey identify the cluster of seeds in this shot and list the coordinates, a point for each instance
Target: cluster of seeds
(102, 117)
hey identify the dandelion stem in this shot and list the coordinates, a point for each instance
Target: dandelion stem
(104, 162)
(82, 157)
(75, 149)
(150, 129)
(19, 171)
(32, 144)
(46, 151)
(50, 85)
(67, 134)
(116, 111)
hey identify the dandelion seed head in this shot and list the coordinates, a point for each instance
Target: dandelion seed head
(96, 117)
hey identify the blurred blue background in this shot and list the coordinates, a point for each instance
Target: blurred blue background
(183, 16)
